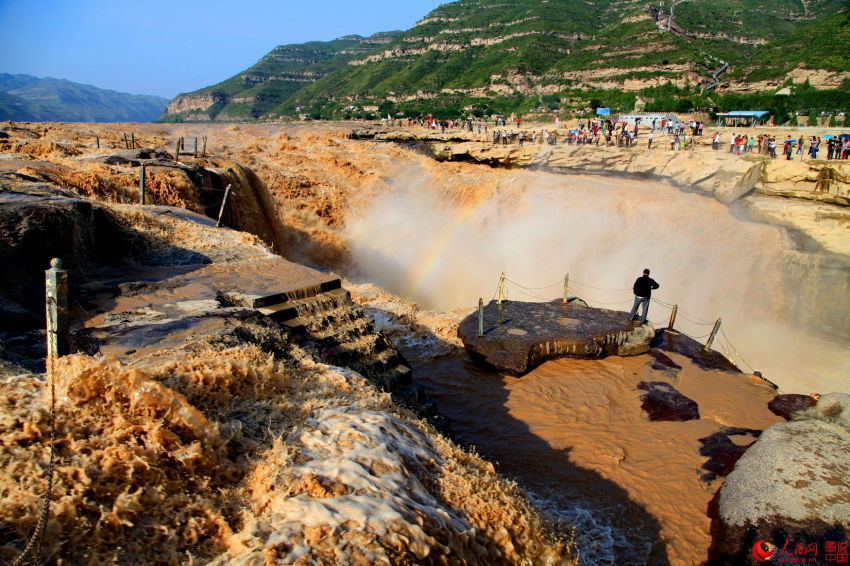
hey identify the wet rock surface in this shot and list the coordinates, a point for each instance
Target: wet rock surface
(681, 344)
(663, 403)
(39, 222)
(786, 405)
(723, 451)
(663, 362)
(140, 156)
(519, 336)
(792, 484)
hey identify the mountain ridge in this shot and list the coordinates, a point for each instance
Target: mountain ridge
(26, 98)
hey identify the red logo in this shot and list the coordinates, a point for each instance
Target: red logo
(763, 550)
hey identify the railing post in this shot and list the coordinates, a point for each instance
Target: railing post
(56, 286)
(713, 335)
(132, 140)
(223, 204)
(141, 184)
(672, 318)
(97, 140)
(195, 152)
(126, 143)
(177, 150)
(566, 286)
(480, 316)
(204, 147)
(501, 287)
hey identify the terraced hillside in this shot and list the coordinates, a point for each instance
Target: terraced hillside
(277, 76)
(486, 55)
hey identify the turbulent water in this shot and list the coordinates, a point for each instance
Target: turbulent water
(603, 231)
(572, 431)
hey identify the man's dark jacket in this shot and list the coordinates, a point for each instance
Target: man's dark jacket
(644, 285)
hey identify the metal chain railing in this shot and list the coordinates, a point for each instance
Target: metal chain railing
(693, 319)
(37, 537)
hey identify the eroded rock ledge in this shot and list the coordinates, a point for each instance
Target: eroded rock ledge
(519, 336)
(808, 197)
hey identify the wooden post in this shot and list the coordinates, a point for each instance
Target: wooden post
(223, 204)
(133, 140)
(713, 335)
(566, 286)
(126, 142)
(672, 318)
(56, 286)
(480, 316)
(177, 150)
(195, 153)
(204, 147)
(142, 184)
(97, 141)
(501, 288)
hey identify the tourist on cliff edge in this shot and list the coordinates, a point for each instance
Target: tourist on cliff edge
(643, 290)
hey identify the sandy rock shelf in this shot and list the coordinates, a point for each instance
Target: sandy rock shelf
(519, 336)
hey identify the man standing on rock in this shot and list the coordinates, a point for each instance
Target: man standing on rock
(643, 290)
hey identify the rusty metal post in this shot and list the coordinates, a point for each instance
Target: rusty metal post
(126, 142)
(56, 284)
(132, 140)
(480, 316)
(223, 204)
(672, 318)
(501, 288)
(713, 335)
(566, 286)
(97, 141)
(141, 184)
(195, 152)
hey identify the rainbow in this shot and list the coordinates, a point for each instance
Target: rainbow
(431, 259)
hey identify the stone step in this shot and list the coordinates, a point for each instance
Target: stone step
(343, 331)
(279, 281)
(309, 306)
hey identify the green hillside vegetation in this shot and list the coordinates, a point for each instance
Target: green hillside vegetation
(483, 56)
(285, 70)
(33, 99)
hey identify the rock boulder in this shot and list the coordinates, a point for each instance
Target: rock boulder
(791, 485)
(663, 403)
(519, 336)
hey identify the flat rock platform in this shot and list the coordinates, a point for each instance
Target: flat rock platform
(519, 336)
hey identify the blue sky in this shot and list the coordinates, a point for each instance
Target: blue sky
(165, 48)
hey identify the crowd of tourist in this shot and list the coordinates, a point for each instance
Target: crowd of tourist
(610, 131)
(765, 144)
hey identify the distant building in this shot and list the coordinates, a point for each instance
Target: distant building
(646, 118)
(739, 118)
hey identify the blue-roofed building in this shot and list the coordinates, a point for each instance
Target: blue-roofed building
(743, 118)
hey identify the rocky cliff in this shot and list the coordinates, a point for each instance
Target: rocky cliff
(466, 53)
